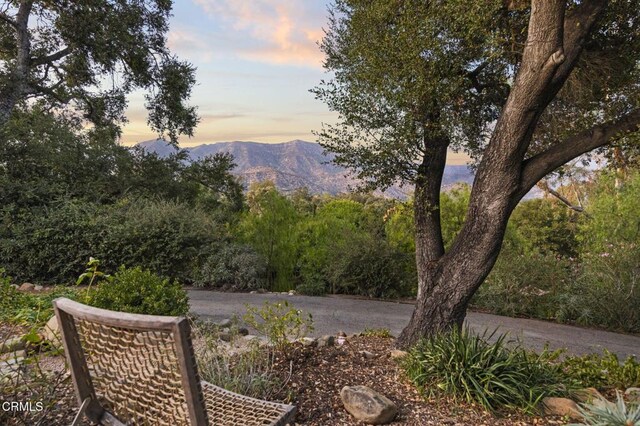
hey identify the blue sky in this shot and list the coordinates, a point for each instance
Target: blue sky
(256, 61)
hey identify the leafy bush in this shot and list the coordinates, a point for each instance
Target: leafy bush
(233, 268)
(142, 292)
(377, 332)
(493, 375)
(169, 238)
(313, 285)
(603, 371)
(602, 412)
(525, 285)
(606, 292)
(279, 322)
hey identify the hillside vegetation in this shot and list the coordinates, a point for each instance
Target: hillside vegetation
(68, 194)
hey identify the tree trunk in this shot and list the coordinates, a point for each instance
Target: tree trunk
(17, 85)
(448, 282)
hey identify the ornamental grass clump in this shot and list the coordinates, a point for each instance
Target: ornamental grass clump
(495, 375)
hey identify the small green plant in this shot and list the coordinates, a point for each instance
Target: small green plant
(603, 371)
(377, 332)
(141, 291)
(494, 375)
(279, 322)
(92, 274)
(30, 309)
(246, 370)
(604, 413)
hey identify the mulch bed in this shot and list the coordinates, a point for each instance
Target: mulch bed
(314, 385)
(320, 373)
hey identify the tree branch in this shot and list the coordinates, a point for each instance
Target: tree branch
(6, 18)
(544, 185)
(51, 58)
(540, 165)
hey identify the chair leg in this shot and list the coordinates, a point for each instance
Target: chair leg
(83, 408)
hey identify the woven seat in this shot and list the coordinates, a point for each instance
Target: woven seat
(131, 369)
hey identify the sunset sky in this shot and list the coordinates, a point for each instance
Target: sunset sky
(256, 61)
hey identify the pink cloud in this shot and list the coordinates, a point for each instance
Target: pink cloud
(282, 32)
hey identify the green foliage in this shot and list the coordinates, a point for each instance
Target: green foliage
(129, 48)
(30, 309)
(233, 268)
(530, 285)
(546, 226)
(603, 371)
(606, 290)
(603, 413)
(612, 214)
(279, 322)
(494, 375)
(269, 227)
(140, 291)
(170, 238)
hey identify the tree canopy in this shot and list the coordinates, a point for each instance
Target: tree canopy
(90, 55)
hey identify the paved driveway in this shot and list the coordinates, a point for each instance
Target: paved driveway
(335, 313)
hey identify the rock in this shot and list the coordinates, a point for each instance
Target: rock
(326, 341)
(26, 287)
(243, 331)
(225, 323)
(51, 331)
(367, 405)
(225, 337)
(253, 292)
(11, 345)
(588, 395)
(367, 354)
(16, 355)
(38, 288)
(14, 286)
(561, 407)
(633, 394)
(397, 354)
(308, 341)
(292, 293)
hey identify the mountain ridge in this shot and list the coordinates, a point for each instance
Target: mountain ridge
(293, 164)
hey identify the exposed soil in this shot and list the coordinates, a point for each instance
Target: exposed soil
(320, 373)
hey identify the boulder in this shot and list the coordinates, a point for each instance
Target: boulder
(588, 395)
(26, 287)
(12, 344)
(367, 405)
(51, 332)
(326, 341)
(38, 288)
(561, 407)
(308, 341)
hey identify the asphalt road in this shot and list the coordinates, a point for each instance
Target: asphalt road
(336, 313)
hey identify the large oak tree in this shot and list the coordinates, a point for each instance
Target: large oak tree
(86, 56)
(523, 87)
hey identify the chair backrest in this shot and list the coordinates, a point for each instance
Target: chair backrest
(136, 369)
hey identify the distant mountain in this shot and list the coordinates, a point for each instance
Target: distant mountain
(292, 165)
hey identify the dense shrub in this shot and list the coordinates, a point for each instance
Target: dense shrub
(233, 267)
(603, 371)
(606, 292)
(528, 285)
(170, 238)
(494, 375)
(167, 237)
(140, 291)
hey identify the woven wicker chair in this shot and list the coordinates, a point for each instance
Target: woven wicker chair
(130, 369)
